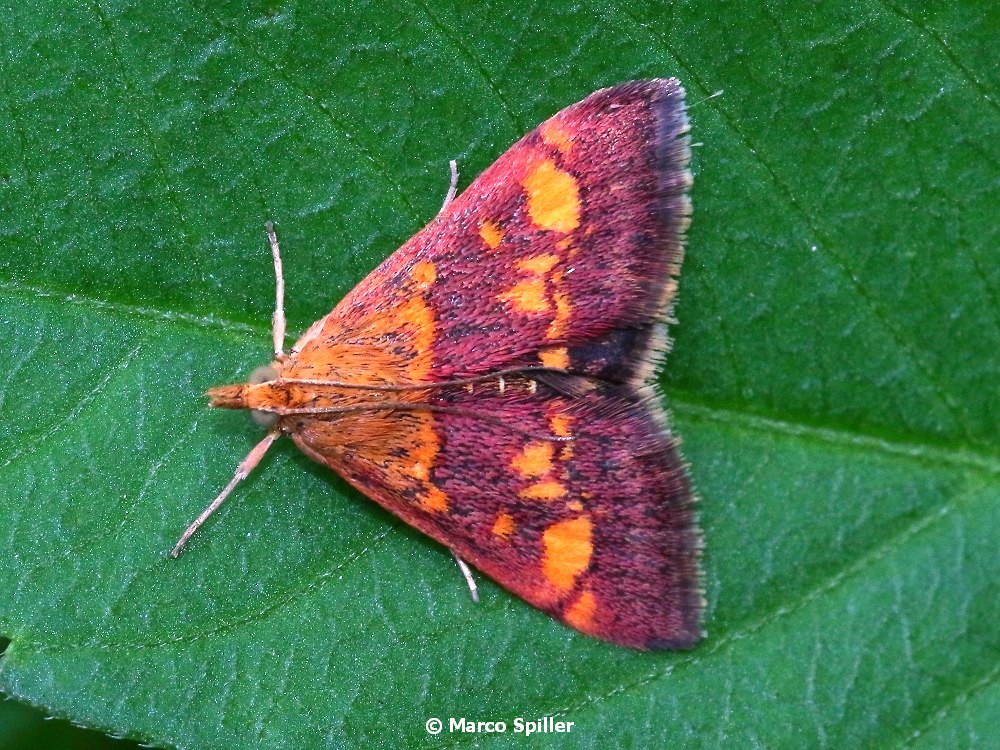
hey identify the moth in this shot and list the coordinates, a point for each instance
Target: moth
(491, 382)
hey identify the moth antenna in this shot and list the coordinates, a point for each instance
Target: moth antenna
(453, 188)
(467, 572)
(278, 319)
(247, 465)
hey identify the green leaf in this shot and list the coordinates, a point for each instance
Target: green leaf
(22, 726)
(834, 374)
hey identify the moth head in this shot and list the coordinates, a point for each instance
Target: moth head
(243, 395)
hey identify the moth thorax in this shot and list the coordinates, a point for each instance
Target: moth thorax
(263, 374)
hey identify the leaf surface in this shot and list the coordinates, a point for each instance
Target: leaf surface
(834, 374)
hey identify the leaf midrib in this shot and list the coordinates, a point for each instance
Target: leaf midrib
(682, 402)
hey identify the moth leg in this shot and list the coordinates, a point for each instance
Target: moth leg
(453, 188)
(467, 572)
(278, 319)
(246, 466)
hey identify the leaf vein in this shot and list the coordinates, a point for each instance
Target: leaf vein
(28, 447)
(134, 92)
(380, 169)
(474, 64)
(905, 346)
(979, 463)
(152, 313)
(954, 60)
(249, 618)
(958, 699)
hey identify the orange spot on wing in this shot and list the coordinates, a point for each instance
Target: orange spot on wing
(548, 489)
(492, 234)
(434, 500)
(575, 505)
(424, 273)
(423, 448)
(556, 357)
(415, 317)
(557, 328)
(423, 443)
(554, 135)
(553, 198)
(420, 470)
(566, 550)
(527, 296)
(534, 460)
(559, 424)
(504, 526)
(580, 614)
(540, 264)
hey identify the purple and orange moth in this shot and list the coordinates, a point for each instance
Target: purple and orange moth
(491, 382)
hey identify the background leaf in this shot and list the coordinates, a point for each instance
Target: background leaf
(834, 375)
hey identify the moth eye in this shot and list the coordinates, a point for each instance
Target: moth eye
(263, 418)
(263, 374)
